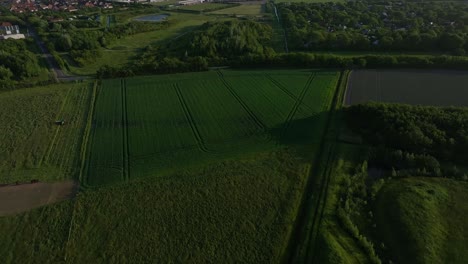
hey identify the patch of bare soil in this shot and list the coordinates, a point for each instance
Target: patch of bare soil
(24, 197)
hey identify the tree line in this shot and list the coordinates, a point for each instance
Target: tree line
(420, 140)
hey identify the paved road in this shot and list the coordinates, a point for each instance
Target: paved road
(53, 65)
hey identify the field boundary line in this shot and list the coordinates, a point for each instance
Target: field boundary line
(125, 151)
(298, 103)
(342, 84)
(51, 144)
(190, 119)
(309, 208)
(285, 90)
(347, 93)
(86, 139)
(252, 115)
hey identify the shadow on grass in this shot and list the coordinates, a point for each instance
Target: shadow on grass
(301, 134)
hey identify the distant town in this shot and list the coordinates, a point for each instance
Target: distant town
(25, 6)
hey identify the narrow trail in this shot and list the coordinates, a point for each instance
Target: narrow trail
(53, 65)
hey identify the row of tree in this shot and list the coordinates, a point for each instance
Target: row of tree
(416, 139)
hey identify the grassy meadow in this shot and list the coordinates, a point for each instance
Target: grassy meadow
(422, 220)
(238, 209)
(204, 7)
(32, 145)
(159, 123)
(243, 9)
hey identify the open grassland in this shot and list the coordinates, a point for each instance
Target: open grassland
(423, 220)
(306, 1)
(242, 210)
(147, 124)
(125, 49)
(32, 146)
(243, 9)
(205, 7)
(425, 87)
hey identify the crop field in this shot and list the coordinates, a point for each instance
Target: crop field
(149, 124)
(32, 146)
(425, 87)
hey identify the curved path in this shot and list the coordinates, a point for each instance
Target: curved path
(53, 65)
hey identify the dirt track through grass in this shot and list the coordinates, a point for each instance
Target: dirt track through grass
(24, 197)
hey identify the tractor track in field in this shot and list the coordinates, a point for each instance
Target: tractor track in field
(293, 111)
(52, 143)
(190, 119)
(126, 169)
(74, 122)
(252, 115)
(286, 91)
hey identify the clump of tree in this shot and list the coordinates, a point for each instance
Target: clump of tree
(225, 40)
(413, 140)
(17, 63)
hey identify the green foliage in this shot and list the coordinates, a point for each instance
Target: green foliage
(15, 56)
(227, 39)
(440, 132)
(372, 25)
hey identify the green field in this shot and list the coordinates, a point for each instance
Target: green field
(32, 146)
(204, 7)
(423, 220)
(438, 88)
(228, 154)
(147, 124)
(243, 9)
(242, 210)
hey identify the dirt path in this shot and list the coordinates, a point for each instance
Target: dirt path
(53, 65)
(21, 198)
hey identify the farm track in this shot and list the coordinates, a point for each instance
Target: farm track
(86, 137)
(286, 91)
(304, 236)
(293, 111)
(72, 142)
(189, 117)
(125, 152)
(46, 157)
(252, 115)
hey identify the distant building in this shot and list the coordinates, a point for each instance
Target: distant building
(6, 28)
(12, 36)
(190, 2)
